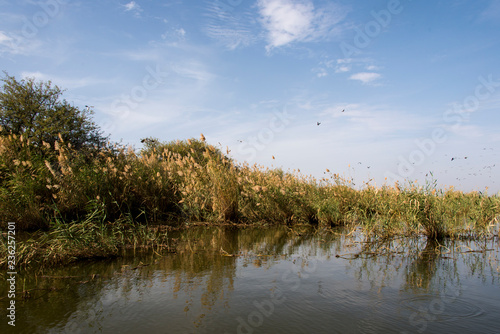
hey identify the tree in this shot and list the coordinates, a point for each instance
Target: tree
(36, 111)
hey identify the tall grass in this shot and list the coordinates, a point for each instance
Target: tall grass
(91, 237)
(61, 190)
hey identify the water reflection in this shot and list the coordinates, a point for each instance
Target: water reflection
(267, 280)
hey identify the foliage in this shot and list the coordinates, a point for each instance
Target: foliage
(59, 178)
(35, 111)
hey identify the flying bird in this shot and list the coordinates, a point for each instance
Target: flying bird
(318, 123)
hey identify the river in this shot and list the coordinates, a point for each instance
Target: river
(269, 280)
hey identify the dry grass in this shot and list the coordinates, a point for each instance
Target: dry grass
(188, 181)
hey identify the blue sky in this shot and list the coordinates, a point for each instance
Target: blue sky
(400, 88)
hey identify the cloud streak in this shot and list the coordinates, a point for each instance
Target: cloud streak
(229, 26)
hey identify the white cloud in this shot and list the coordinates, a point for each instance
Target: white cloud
(4, 38)
(344, 60)
(321, 73)
(132, 6)
(36, 75)
(181, 32)
(7, 44)
(288, 21)
(344, 65)
(365, 77)
(372, 68)
(342, 68)
(173, 37)
(15, 44)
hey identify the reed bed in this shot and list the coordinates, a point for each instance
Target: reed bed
(95, 202)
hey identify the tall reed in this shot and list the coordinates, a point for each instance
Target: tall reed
(180, 182)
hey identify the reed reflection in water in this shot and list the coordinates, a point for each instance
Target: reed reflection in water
(273, 280)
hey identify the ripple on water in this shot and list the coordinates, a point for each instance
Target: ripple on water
(442, 308)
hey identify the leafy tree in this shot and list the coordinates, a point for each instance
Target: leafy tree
(36, 111)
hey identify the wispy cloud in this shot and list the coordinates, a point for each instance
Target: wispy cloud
(465, 130)
(132, 6)
(365, 77)
(288, 21)
(193, 70)
(4, 38)
(339, 66)
(342, 69)
(364, 121)
(6, 43)
(66, 82)
(14, 44)
(230, 27)
(372, 68)
(344, 65)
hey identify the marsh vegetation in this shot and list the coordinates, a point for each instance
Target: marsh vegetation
(88, 197)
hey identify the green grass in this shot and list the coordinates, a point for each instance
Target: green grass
(93, 237)
(94, 204)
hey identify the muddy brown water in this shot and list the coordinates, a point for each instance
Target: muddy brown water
(269, 280)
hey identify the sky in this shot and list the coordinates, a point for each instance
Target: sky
(375, 91)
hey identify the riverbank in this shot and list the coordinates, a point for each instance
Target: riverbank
(88, 204)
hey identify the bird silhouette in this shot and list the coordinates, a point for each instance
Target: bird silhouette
(318, 123)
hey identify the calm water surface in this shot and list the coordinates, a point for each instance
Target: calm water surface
(271, 280)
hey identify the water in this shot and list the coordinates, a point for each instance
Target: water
(270, 280)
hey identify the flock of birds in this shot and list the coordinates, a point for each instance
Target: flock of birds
(472, 171)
